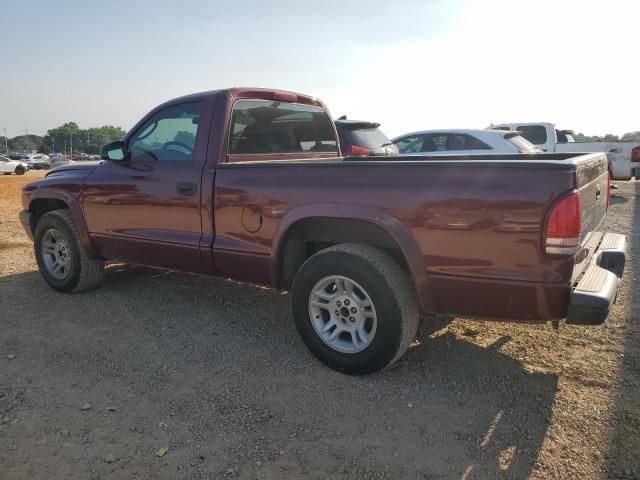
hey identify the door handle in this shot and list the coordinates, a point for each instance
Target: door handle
(186, 189)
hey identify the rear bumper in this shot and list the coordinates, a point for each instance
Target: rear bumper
(596, 292)
(25, 220)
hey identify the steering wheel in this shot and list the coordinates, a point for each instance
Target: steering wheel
(175, 143)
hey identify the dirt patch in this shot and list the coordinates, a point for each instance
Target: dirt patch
(95, 385)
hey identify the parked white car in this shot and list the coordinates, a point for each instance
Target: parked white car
(463, 142)
(624, 157)
(8, 166)
(38, 161)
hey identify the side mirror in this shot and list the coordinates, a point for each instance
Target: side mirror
(114, 151)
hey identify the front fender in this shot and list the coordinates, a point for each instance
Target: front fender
(382, 219)
(47, 193)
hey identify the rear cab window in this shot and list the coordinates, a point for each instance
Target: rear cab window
(267, 127)
(536, 134)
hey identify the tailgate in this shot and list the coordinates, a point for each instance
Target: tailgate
(591, 180)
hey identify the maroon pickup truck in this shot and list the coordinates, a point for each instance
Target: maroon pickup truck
(249, 184)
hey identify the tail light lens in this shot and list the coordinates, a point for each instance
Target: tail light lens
(562, 233)
(355, 151)
(635, 154)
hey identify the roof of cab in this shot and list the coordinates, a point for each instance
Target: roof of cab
(252, 93)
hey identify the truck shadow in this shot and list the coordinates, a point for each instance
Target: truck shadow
(448, 409)
(624, 443)
(617, 199)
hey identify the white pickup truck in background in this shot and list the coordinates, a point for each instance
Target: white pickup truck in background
(624, 157)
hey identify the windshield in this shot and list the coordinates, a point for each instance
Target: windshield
(522, 144)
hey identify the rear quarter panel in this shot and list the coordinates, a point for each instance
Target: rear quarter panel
(477, 226)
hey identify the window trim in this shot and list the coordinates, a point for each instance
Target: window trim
(132, 134)
(306, 155)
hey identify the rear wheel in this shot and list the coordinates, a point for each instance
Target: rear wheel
(20, 170)
(354, 308)
(61, 258)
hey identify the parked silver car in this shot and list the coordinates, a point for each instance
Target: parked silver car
(463, 142)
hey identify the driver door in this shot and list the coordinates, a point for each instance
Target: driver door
(147, 210)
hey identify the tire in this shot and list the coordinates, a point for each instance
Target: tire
(81, 273)
(20, 170)
(6, 173)
(391, 320)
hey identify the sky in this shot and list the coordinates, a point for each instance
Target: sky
(409, 65)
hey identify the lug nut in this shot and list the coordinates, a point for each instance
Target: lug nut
(352, 320)
(354, 309)
(338, 303)
(337, 312)
(346, 302)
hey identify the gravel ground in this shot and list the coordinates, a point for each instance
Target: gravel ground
(171, 376)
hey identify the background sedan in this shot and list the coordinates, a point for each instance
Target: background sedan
(463, 142)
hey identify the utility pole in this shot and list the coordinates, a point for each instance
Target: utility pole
(26, 137)
(6, 146)
(71, 143)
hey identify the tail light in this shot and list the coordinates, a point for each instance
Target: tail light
(635, 154)
(562, 232)
(355, 151)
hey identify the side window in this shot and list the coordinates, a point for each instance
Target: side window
(434, 143)
(410, 144)
(260, 127)
(168, 135)
(536, 134)
(444, 142)
(474, 144)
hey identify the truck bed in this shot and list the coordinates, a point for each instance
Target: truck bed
(476, 222)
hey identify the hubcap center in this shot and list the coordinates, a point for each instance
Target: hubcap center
(344, 311)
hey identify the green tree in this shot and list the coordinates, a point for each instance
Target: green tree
(44, 148)
(635, 136)
(25, 142)
(92, 149)
(83, 139)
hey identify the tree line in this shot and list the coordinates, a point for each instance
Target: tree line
(609, 137)
(65, 138)
(90, 140)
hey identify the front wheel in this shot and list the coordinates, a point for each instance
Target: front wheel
(61, 259)
(355, 308)
(20, 170)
